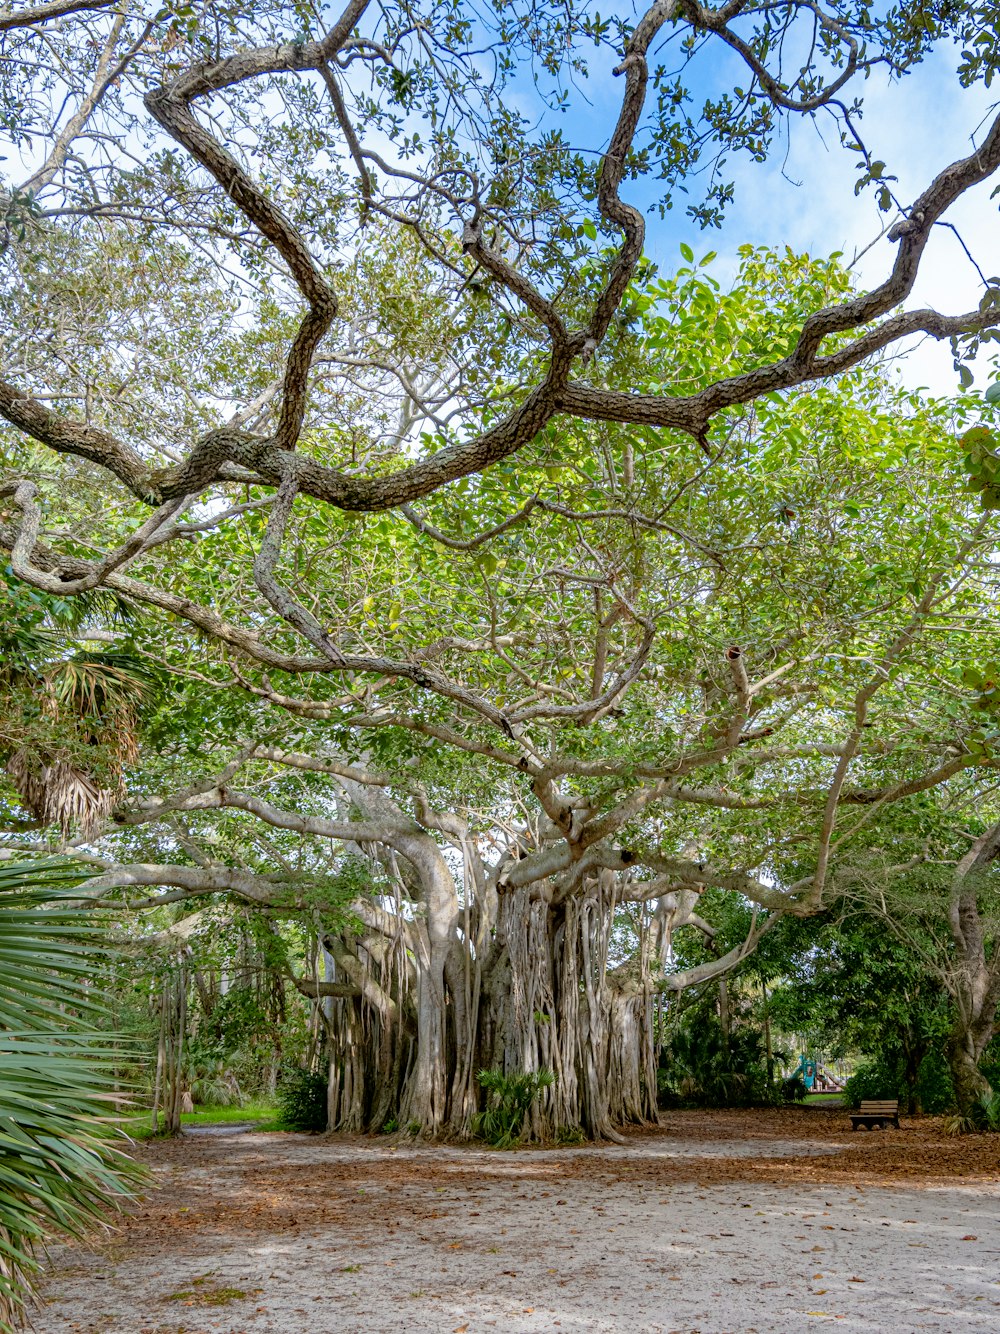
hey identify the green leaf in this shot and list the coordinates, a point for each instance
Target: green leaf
(59, 1169)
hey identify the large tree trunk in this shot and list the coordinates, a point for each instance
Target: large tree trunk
(405, 1050)
(431, 936)
(963, 1060)
(424, 1103)
(549, 1001)
(976, 997)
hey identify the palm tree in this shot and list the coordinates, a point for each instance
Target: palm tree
(69, 721)
(92, 703)
(61, 1171)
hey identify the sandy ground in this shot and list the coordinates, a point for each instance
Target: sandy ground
(717, 1222)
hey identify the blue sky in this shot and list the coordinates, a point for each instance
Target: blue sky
(804, 197)
(917, 125)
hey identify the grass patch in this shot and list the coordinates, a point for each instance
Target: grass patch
(265, 1112)
(264, 1115)
(206, 1296)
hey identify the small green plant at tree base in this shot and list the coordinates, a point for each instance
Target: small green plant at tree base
(984, 1117)
(301, 1097)
(508, 1099)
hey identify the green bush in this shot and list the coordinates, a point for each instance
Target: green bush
(698, 1067)
(508, 1099)
(793, 1089)
(990, 1064)
(212, 1082)
(934, 1086)
(301, 1097)
(988, 1112)
(883, 1077)
(872, 1079)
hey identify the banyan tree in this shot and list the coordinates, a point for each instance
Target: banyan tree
(503, 600)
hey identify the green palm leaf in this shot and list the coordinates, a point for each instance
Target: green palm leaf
(61, 1170)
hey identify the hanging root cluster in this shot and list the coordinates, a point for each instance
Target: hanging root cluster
(515, 982)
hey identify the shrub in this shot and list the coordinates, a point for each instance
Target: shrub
(934, 1086)
(990, 1064)
(213, 1083)
(883, 1077)
(872, 1079)
(508, 1099)
(984, 1117)
(987, 1112)
(301, 1098)
(793, 1089)
(699, 1067)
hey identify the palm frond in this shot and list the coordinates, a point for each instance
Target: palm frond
(100, 685)
(61, 793)
(61, 1168)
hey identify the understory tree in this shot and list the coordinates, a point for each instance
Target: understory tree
(903, 965)
(853, 990)
(946, 918)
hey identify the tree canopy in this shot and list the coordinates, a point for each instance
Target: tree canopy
(395, 547)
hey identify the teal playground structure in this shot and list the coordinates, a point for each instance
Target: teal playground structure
(816, 1077)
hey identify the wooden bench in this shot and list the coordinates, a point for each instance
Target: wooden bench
(876, 1114)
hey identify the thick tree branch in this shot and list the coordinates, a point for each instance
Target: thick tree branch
(193, 880)
(55, 9)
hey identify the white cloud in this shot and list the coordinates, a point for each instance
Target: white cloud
(806, 200)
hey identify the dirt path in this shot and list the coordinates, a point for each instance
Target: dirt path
(718, 1222)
